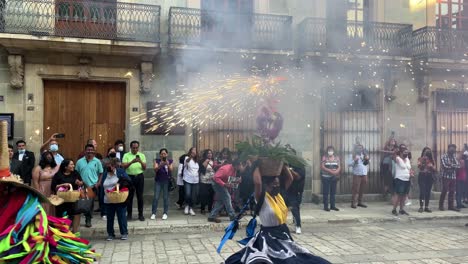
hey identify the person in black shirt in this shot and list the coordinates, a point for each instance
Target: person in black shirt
(294, 195)
(246, 186)
(27, 160)
(65, 176)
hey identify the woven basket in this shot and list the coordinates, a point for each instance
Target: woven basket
(270, 167)
(69, 196)
(117, 196)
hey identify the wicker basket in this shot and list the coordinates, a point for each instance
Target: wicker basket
(69, 196)
(270, 167)
(117, 196)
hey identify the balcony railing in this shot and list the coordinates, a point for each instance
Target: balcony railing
(321, 35)
(431, 42)
(188, 26)
(81, 19)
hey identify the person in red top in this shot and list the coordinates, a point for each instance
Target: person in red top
(221, 184)
(461, 182)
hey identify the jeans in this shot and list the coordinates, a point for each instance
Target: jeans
(460, 191)
(190, 192)
(158, 187)
(138, 182)
(359, 183)
(121, 218)
(181, 199)
(206, 196)
(448, 185)
(89, 214)
(425, 182)
(224, 199)
(329, 189)
(294, 201)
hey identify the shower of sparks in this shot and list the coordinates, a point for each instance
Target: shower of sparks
(235, 98)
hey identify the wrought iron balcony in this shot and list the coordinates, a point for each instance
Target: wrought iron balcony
(81, 18)
(350, 37)
(431, 42)
(188, 26)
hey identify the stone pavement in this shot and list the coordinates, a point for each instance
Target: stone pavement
(440, 241)
(377, 212)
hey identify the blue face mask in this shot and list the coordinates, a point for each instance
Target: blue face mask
(53, 147)
(21, 151)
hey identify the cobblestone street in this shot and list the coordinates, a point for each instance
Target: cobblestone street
(422, 242)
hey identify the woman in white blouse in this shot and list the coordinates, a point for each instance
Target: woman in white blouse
(191, 179)
(402, 183)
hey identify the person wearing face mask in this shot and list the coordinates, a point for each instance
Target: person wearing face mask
(427, 168)
(449, 164)
(359, 162)
(27, 160)
(402, 181)
(273, 243)
(105, 161)
(119, 147)
(52, 145)
(220, 186)
(330, 175)
(112, 176)
(42, 178)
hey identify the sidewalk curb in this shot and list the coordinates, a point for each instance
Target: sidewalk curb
(205, 227)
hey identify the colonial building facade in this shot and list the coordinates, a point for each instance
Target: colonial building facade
(363, 68)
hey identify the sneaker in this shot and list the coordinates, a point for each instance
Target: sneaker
(153, 217)
(110, 238)
(326, 209)
(141, 218)
(186, 210)
(192, 213)
(104, 218)
(408, 202)
(454, 209)
(334, 209)
(394, 212)
(403, 212)
(362, 205)
(427, 210)
(88, 223)
(124, 237)
(164, 217)
(214, 220)
(298, 230)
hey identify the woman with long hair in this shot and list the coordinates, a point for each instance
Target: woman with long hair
(273, 243)
(206, 170)
(65, 177)
(427, 168)
(42, 178)
(191, 179)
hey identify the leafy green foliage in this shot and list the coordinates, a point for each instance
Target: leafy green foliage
(258, 147)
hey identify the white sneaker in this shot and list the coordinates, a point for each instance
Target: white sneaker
(153, 217)
(298, 230)
(408, 202)
(192, 213)
(104, 218)
(186, 210)
(164, 217)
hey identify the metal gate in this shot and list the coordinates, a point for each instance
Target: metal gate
(225, 133)
(340, 129)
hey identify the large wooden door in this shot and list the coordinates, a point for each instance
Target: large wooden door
(84, 110)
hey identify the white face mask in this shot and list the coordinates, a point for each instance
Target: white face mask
(120, 149)
(330, 153)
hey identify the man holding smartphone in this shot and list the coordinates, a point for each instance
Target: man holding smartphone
(134, 163)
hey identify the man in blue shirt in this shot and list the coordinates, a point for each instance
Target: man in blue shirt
(359, 162)
(90, 170)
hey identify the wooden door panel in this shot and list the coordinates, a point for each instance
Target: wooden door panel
(83, 110)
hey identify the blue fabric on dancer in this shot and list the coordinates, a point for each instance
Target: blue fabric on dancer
(249, 231)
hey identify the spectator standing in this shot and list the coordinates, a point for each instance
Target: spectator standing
(449, 164)
(359, 162)
(27, 160)
(330, 166)
(163, 174)
(15, 165)
(113, 176)
(427, 168)
(90, 170)
(191, 179)
(42, 178)
(134, 163)
(206, 165)
(65, 177)
(402, 181)
(52, 145)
